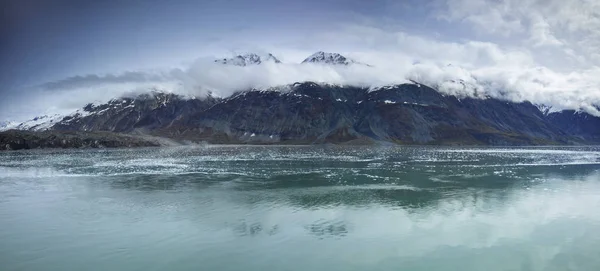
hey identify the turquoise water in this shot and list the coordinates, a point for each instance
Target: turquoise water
(301, 208)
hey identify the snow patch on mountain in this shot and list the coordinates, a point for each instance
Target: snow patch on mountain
(39, 123)
(248, 59)
(7, 125)
(547, 109)
(44, 122)
(329, 58)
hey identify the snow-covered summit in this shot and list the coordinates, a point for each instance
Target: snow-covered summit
(329, 58)
(248, 59)
(7, 125)
(546, 109)
(39, 123)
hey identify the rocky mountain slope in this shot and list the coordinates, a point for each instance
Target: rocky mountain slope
(578, 124)
(144, 112)
(307, 113)
(408, 114)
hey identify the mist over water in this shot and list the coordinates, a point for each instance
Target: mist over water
(301, 208)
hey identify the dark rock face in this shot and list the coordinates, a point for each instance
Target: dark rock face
(310, 113)
(17, 140)
(147, 111)
(579, 124)
(408, 114)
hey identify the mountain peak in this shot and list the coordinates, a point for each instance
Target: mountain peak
(38, 123)
(329, 58)
(6, 125)
(248, 59)
(546, 109)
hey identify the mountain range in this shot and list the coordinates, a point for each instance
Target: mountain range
(248, 59)
(309, 113)
(330, 58)
(316, 58)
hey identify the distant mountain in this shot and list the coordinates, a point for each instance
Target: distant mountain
(316, 58)
(330, 58)
(546, 109)
(38, 123)
(5, 125)
(307, 113)
(144, 112)
(577, 123)
(248, 59)
(406, 114)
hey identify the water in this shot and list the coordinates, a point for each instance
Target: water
(301, 208)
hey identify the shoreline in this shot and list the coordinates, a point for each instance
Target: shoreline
(26, 140)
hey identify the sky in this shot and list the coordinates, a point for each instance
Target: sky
(57, 55)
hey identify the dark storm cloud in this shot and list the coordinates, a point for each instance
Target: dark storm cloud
(94, 79)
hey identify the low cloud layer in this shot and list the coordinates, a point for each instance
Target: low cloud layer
(545, 52)
(515, 83)
(92, 80)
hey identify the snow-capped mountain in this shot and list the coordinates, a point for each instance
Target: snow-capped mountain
(39, 123)
(248, 59)
(6, 125)
(546, 109)
(308, 113)
(329, 58)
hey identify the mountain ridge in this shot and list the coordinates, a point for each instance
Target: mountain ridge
(248, 59)
(312, 113)
(321, 57)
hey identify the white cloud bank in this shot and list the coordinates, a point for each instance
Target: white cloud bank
(515, 82)
(543, 51)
